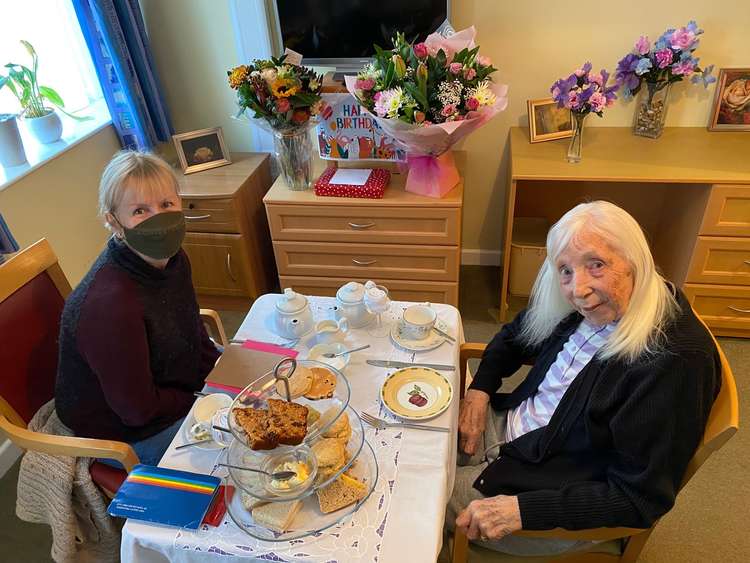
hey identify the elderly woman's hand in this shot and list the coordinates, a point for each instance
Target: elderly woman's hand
(471, 420)
(490, 518)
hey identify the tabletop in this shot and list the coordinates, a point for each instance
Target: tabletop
(402, 520)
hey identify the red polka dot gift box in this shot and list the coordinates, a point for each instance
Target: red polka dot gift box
(373, 188)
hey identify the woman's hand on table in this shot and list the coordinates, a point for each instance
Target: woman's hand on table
(490, 518)
(472, 416)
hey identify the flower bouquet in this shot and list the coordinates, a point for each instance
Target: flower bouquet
(583, 92)
(428, 96)
(668, 60)
(284, 98)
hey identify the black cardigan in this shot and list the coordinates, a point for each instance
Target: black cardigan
(616, 448)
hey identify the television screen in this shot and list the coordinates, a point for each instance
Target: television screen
(339, 29)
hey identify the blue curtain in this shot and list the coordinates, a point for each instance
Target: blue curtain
(116, 38)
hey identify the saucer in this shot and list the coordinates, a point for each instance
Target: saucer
(430, 342)
(317, 351)
(416, 393)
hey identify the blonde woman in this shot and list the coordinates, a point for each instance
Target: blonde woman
(133, 349)
(600, 431)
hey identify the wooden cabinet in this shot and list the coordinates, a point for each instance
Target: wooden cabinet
(227, 238)
(409, 243)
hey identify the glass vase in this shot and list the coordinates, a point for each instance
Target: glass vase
(293, 151)
(651, 109)
(576, 141)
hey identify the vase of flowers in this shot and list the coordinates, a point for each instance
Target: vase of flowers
(285, 99)
(583, 93)
(428, 96)
(659, 65)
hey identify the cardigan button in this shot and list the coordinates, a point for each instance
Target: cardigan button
(481, 481)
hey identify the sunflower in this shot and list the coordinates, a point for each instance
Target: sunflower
(284, 87)
(238, 75)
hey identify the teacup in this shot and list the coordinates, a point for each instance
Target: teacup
(418, 321)
(330, 331)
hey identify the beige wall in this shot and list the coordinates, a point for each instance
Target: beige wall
(59, 201)
(532, 43)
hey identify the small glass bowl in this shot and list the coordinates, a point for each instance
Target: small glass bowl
(273, 463)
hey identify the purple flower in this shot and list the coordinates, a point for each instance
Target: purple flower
(643, 45)
(683, 67)
(704, 76)
(625, 73)
(583, 70)
(663, 58)
(682, 39)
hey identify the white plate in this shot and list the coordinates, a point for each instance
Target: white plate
(188, 437)
(432, 341)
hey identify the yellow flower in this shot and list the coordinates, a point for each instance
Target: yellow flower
(284, 87)
(238, 76)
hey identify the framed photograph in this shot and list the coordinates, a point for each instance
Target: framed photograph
(201, 150)
(731, 109)
(548, 122)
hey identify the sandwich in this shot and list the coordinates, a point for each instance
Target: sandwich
(277, 516)
(344, 491)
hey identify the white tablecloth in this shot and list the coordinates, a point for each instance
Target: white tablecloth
(426, 460)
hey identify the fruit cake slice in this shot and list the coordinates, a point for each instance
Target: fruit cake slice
(256, 424)
(288, 421)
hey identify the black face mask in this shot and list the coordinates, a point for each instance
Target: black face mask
(158, 237)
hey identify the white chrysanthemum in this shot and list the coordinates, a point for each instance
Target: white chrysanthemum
(483, 94)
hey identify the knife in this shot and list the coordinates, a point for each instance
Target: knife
(392, 364)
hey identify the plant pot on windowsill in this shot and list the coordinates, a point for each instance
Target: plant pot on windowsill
(11, 146)
(47, 128)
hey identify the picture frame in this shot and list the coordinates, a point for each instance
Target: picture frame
(731, 107)
(202, 149)
(547, 122)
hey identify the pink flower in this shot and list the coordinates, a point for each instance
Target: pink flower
(555, 92)
(572, 102)
(458, 117)
(643, 45)
(376, 97)
(448, 110)
(283, 105)
(682, 38)
(597, 101)
(470, 73)
(579, 72)
(419, 116)
(472, 104)
(482, 60)
(420, 50)
(663, 58)
(455, 68)
(683, 67)
(365, 84)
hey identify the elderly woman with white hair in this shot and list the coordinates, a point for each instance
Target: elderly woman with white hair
(133, 349)
(600, 431)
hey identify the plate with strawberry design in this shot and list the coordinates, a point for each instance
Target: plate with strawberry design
(416, 393)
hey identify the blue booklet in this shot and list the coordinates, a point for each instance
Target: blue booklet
(165, 496)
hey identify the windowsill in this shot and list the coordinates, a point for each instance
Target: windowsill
(74, 132)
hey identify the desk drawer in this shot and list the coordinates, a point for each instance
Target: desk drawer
(399, 290)
(210, 215)
(728, 212)
(360, 223)
(721, 306)
(721, 260)
(372, 261)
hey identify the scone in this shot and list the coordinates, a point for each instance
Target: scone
(344, 491)
(323, 385)
(340, 429)
(299, 383)
(330, 454)
(287, 421)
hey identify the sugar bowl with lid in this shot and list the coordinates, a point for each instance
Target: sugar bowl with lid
(293, 317)
(350, 303)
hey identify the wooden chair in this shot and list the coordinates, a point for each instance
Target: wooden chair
(33, 289)
(722, 424)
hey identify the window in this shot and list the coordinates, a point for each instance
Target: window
(51, 26)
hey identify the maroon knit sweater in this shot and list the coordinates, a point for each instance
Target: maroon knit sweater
(132, 348)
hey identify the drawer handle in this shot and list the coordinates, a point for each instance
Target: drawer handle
(361, 226)
(737, 309)
(229, 267)
(747, 262)
(197, 217)
(363, 262)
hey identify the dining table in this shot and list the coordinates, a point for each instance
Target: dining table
(401, 520)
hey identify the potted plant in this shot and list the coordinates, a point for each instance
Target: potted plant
(42, 121)
(11, 146)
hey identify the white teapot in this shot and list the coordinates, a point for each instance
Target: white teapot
(350, 300)
(293, 317)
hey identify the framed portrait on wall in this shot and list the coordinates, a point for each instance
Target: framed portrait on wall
(731, 109)
(201, 150)
(548, 122)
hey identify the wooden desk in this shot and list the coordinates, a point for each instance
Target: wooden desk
(227, 237)
(407, 242)
(690, 191)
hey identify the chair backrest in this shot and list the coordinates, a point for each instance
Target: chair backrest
(33, 289)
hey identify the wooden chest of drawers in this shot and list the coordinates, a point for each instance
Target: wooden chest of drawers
(227, 237)
(718, 279)
(409, 243)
